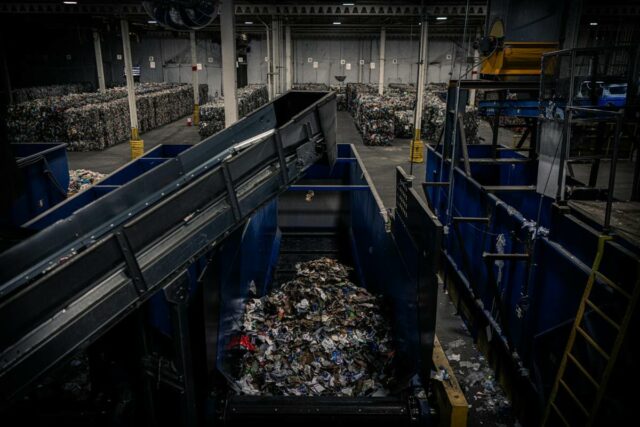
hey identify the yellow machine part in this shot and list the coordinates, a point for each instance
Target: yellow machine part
(517, 59)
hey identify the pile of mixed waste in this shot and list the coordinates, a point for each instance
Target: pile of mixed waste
(316, 335)
(81, 179)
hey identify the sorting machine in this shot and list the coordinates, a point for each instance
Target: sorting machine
(121, 306)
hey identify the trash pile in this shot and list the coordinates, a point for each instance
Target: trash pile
(375, 119)
(403, 123)
(355, 89)
(37, 92)
(433, 117)
(341, 96)
(317, 335)
(95, 120)
(81, 179)
(249, 97)
(375, 115)
(314, 87)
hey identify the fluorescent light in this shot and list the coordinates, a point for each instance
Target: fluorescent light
(248, 22)
(348, 4)
(337, 23)
(441, 18)
(70, 2)
(152, 22)
(593, 24)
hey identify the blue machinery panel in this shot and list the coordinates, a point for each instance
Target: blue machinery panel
(44, 173)
(520, 308)
(381, 250)
(168, 230)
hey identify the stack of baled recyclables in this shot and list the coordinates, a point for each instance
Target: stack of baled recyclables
(380, 119)
(94, 120)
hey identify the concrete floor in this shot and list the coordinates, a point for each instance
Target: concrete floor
(488, 405)
(112, 158)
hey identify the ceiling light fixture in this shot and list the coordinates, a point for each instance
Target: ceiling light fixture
(152, 22)
(70, 2)
(248, 22)
(337, 23)
(348, 4)
(593, 24)
(441, 18)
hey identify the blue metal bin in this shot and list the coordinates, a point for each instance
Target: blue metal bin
(45, 174)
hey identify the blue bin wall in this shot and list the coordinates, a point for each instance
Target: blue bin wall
(538, 304)
(252, 255)
(45, 174)
(127, 173)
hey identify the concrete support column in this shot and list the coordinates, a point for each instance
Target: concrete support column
(572, 24)
(269, 62)
(383, 36)
(97, 47)
(287, 47)
(275, 40)
(417, 147)
(475, 72)
(229, 72)
(5, 71)
(137, 144)
(194, 73)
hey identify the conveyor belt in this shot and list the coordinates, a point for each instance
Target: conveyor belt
(138, 238)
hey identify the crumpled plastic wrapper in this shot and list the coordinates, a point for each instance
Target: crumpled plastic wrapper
(249, 98)
(95, 120)
(317, 335)
(81, 179)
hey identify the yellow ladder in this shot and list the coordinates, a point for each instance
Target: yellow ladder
(600, 387)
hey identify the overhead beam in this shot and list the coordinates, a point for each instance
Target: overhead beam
(244, 9)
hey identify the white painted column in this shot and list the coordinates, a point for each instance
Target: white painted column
(99, 65)
(383, 34)
(269, 62)
(137, 145)
(275, 40)
(229, 72)
(475, 72)
(417, 147)
(287, 47)
(194, 79)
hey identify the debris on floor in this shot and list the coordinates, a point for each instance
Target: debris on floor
(316, 335)
(81, 179)
(485, 396)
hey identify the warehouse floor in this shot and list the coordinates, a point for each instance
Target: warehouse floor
(488, 405)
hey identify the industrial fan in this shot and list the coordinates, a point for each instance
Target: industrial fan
(182, 14)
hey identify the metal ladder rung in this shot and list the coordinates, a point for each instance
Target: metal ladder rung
(575, 398)
(602, 314)
(564, 420)
(583, 370)
(594, 344)
(612, 284)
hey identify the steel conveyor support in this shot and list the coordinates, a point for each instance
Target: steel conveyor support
(139, 237)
